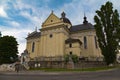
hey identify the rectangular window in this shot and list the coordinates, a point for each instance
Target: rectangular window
(33, 46)
(85, 42)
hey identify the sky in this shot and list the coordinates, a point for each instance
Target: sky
(20, 17)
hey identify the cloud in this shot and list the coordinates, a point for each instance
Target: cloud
(34, 13)
(30, 12)
(27, 15)
(2, 12)
(76, 8)
(14, 23)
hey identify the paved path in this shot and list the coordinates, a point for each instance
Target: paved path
(40, 75)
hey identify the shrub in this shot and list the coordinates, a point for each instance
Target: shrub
(74, 58)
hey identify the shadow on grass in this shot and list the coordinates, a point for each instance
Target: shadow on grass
(72, 70)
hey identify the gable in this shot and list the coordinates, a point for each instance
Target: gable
(52, 19)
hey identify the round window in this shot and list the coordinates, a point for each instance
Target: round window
(51, 35)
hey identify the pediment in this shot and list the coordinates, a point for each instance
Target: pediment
(52, 19)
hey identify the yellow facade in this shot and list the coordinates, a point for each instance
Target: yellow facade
(91, 50)
(51, 40)
(53, 46)
(75, 49)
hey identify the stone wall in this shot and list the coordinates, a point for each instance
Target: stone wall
(46, 64)
(62, 64)
(90, 64)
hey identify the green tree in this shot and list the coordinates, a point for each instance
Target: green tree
(8, 49)
(107, 26)
(74, 58)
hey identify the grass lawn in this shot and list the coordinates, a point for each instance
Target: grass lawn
(72, 70)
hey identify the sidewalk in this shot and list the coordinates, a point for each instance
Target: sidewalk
(46, 73)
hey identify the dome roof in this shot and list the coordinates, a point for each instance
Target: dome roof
(64, 19)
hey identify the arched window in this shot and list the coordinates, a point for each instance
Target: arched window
(70, 45)
(85, 42)
(33, 46)
(95, 42)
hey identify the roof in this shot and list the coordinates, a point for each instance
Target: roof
(84, 26)
(65, 20)
(34, 34)
(70, 40)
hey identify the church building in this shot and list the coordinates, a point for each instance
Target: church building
(58, 37)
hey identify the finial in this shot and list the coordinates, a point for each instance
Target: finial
(84, 14)
(62, 10)
(85, 19)
(36, 28)
(63, 14)
(52, 11)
